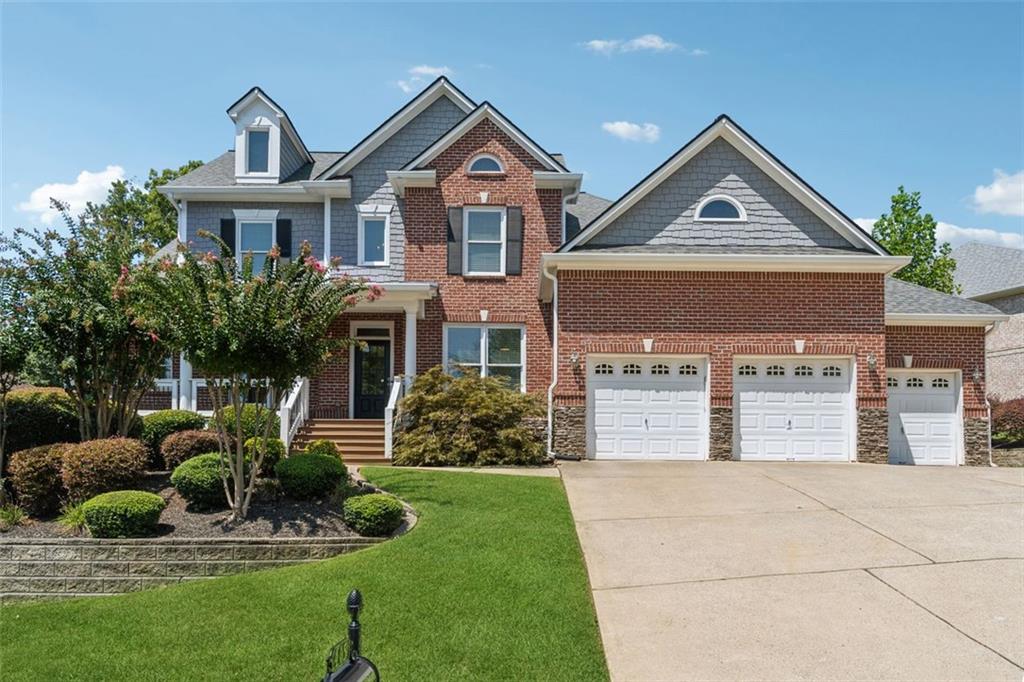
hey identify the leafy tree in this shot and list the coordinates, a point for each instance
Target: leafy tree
(17, 337)
(78, 291)
(904, 231)
(142, 209)
(251, 333)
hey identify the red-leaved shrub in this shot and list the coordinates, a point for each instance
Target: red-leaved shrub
(99, 466)
(1008, 420)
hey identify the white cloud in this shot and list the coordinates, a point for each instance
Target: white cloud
(88, 186)
(1004, 196)
(634, 132)
(956, 235)
(649, 42)
(419, 74)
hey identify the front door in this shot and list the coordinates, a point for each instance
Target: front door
(372, 371)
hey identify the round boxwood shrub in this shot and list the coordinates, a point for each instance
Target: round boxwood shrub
(184, 445)
(307, 475)
(322, 446)
(198, 481)
(99, 466)
(123, 514)
(36, 479)
(374, 515)
(162, 423)
(275, 453)
(40, 416)
(254, 418)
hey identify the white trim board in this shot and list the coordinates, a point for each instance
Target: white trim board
(723, 127)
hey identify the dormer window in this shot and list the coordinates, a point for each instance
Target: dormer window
(257, 144)
(484, 164)
(721, 209)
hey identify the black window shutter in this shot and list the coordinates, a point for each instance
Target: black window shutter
(227, 233)
(514, 241)
(455, 240)
(284, 236)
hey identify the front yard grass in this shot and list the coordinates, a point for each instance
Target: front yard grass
(490, 585)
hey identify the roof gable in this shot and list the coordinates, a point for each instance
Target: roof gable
(257, 93)
(723, 128)
(441, 87)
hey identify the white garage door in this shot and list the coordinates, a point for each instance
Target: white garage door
(793, 409)
(647, 408)
(923, 418)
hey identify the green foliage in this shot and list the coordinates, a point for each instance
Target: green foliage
(905, 232)
(36, 478)
(199, 481)
(1008, 421)
(374, 515)
(72, 517)
(39, 416)
(254, 420)
(123, 514)
(158, 425)
(467, 421)
(17, 338)
(307, 476)
(273, 452)
(322, 446)
(11, 515)
(99, 466)
(184, 445)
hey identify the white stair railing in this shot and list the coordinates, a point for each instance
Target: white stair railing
(397, 389)
(294, 411)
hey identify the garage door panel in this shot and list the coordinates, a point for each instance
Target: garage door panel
(924, 424)
(631, 420)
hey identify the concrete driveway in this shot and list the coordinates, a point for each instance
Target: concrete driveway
(730, 570)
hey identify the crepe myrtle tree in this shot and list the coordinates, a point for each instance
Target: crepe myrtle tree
(76, 290)
(251, 331)
(17, 338)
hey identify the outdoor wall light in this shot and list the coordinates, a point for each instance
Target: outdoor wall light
(872, 361)
(574, 359)
(976, 375)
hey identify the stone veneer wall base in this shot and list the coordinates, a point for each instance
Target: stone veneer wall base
(873, 435)
(720, 436)
(570, 438)
(976, 441)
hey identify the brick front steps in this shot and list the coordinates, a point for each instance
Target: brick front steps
(54, 568)
(360, 441)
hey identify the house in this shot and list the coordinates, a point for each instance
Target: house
(720, 309)
(995, 275)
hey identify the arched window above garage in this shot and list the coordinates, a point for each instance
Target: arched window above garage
(688, 370)
(631, 369)
(604, 369)
(915, 382)
(659, 370)
(776, 371)
(940, 383)
(721, 208)
(832, 371)
(803, 371)
(892, 382)
(747, 371)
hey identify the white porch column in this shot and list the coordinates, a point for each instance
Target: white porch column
(411, 311)
(327, 231)
(185, 384)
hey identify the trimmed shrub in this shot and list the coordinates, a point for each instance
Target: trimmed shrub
(306, 476)
(198, 481)
(1008, 422)
(36, 478)
(184, 445)
(252, 424)
(40, 416)
(99, 466)
(160, 424)
(467, 421)
(373, 515)
(275, 453)
(322, 447)
(123, 514)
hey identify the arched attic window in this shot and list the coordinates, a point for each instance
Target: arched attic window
(720, 208)
(485, 163)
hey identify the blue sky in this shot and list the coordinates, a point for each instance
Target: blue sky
(857, 98)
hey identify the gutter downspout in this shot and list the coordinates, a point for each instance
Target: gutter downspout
(988, 405)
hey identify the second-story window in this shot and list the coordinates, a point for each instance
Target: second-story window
(256, 237)
(484, 241)
(257, 151)
(374, 233)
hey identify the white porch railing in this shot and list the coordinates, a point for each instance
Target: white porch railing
(196, 385)
(294, 411)
(165, 386)
(398, 387)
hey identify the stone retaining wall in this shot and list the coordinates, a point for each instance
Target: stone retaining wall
(72, 567)
(1008, 457)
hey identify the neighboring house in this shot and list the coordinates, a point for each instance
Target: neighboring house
(720, 309)
(995, 275)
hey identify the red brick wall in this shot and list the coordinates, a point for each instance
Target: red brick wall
(960, 348)
(508, 299)
(721, 314)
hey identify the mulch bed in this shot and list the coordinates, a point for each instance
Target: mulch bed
(270, 515)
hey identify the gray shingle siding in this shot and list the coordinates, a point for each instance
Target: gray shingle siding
(291, 158)
(666, 214)
(370, 186)
(307, 222)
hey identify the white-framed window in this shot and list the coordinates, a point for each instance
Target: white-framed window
(485, 164)
(374, 235)
(776, 371)
(940, 383)
(257, 150)
(720, 208)
(496, 350)
(168, 368)
(659, 370)
(747, 371)
(483, 240)
(803, 371)
(688, 370)
(892, 382)
(631, 369)
(832, 371)
(915, 382)
(604, 369)
(255, 232)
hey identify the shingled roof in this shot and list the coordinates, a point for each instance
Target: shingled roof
(985, 269)
(906, 298)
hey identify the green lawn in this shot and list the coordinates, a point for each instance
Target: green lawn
(490, 585)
